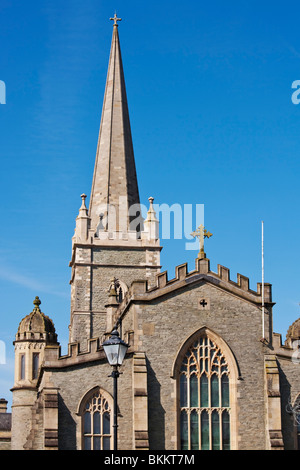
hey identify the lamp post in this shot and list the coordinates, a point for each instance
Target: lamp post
(115, 349)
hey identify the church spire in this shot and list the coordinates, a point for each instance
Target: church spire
(115, 187)
(109, 242)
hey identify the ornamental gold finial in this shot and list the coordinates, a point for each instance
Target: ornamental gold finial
(201, 233)
(115, 19)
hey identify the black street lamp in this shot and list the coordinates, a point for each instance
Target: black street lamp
(115, 349)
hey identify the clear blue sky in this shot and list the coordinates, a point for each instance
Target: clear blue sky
(209, 91)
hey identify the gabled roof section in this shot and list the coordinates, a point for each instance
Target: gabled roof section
(140, 292)
(115, 187)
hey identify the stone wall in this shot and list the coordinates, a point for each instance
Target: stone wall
(159, 322)
(95, 268)
(163, 324)
(289, 374)
(74, 383)
(23, 400)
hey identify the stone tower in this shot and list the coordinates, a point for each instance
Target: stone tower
(112, 244)
(36, 331)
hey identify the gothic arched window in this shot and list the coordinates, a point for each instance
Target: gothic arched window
(120, 295)
(96, 422)
(296, 413)
(204, 397)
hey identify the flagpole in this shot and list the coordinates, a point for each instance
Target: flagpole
(263, 280)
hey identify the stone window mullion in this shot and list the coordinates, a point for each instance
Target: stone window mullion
(203, 412)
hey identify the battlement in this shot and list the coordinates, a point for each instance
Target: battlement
(140, 291)
(53, 357)
(74, 356)
(240, 287)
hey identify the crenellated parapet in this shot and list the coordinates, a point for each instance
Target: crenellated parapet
(74, 356)
(240, 287)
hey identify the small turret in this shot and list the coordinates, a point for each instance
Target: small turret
(35, 332)
(36, 326)
(111, 307)
(82, 221)
(293, 335)
(151, 223)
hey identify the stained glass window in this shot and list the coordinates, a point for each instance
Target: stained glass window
(204, 398)
(96, 423)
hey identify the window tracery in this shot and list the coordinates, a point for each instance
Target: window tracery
(96, 422)
(204, 397)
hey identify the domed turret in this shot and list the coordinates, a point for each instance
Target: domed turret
(37, 326)
(35, 332)
(293, 333)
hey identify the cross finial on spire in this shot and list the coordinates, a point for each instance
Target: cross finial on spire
(201, 233)
(115, 19)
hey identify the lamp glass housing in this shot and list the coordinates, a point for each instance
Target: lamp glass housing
(115, 349)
